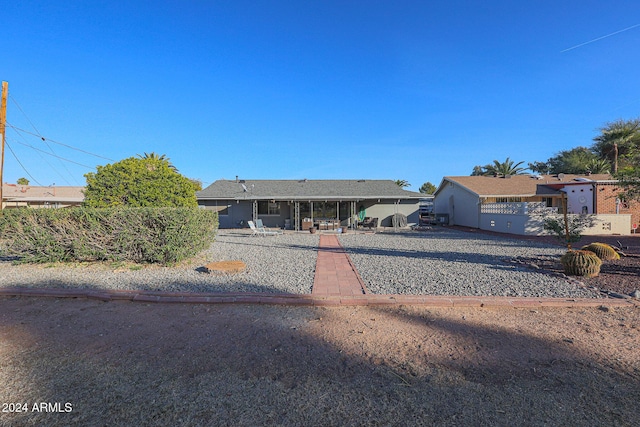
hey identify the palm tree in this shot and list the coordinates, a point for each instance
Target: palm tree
(505, 168)
(599, 166)
(477, 170)
(618, 140)
(161, 158)
(402, 183)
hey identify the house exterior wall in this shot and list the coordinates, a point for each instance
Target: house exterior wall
(385, 209)
(579, 199)
(275, 220)
(10, 204)
(461, 205)
(230, 213)
(606, 202)
(234, 214)
(533, 225)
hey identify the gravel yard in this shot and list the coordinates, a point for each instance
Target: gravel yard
(436, 262)
(279, 264)
(451, 262)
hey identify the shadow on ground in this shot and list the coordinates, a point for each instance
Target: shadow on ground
(122, 363)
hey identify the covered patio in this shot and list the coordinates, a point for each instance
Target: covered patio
(300, 205)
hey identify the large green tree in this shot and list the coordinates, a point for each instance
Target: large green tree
(139, 182)
(575, 161)
(427, 188)
(540, 167)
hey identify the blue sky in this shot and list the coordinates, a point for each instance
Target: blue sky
(412, 90)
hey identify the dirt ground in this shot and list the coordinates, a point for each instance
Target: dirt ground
(122, 363)
(84, 362)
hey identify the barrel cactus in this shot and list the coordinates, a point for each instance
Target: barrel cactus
(581, 263)
(602, 250)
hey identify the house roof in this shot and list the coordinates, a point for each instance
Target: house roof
(305, 189)
(53, 194)
(517, 185)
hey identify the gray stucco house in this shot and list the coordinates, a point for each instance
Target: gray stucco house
(518, 204)
(299, 204)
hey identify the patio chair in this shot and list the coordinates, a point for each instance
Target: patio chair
(260, 231)
(370, 223)
(260, 226)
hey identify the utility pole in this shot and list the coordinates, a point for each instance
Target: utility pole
(3, 127)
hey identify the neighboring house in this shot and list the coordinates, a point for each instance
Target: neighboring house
(299, 204)
(17, 196)
(515, 204)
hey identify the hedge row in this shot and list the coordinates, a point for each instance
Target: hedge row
(144, 235)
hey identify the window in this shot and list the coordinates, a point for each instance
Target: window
(324, 210)
(268, 208)
(508, 199)
(221, 209)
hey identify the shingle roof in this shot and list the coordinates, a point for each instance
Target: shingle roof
(61, 194)
(305, 190)
(516, 185)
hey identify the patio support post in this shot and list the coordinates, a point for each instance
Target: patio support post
(352, 214)
(296, 216)
(254, 213)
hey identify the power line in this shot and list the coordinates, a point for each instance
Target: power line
(25, 115)
(46, 141)
(17, 129)
(20, 163)
(44, 159)
(54, 155)
(41, 137)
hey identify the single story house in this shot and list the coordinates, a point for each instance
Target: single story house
(515, 203)
(17, 196)
(300, 204)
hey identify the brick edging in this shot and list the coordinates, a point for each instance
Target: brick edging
(313, 300)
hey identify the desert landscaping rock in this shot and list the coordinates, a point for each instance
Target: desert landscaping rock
(275, 264)
(433, 262)
(451, 262)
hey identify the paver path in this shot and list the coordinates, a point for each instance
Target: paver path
(335, 274)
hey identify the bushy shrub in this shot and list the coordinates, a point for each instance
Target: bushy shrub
(602, 250)
(146, 235)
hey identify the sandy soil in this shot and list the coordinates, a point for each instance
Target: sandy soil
(123, 363)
